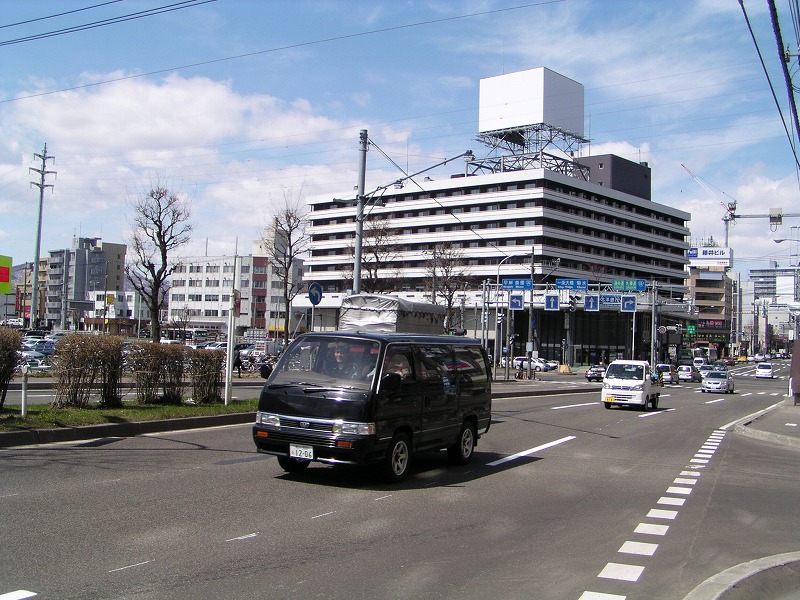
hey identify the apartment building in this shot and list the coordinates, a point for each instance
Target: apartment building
(74, 274)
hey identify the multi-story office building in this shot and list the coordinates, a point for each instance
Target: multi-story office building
(528, 215)
(117, 313)
(75, 274)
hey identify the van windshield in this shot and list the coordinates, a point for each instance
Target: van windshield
(328, 362)
(623, 371)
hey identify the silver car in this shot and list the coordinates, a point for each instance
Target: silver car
(717, 381)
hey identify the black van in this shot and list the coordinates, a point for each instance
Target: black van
(353, 398)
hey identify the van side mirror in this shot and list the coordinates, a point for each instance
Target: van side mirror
(265, 371)
(391, 382)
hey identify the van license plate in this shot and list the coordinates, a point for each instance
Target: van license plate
(297, 451)
(609, 398)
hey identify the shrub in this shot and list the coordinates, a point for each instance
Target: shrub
(205, 368)
(10, 341)
(77, 363)
(158, 366)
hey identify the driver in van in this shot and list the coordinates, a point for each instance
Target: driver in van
(340, 366)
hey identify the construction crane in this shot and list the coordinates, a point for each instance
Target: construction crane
(775, 215)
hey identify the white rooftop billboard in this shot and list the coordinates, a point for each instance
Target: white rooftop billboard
(533, 97)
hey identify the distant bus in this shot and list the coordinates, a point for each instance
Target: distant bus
(709, 354)
(192, 335)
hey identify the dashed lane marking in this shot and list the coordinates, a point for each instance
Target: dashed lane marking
(17, 595)
(621, 572)
(640, 548)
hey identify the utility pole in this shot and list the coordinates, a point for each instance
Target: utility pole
(43, 172)
(363, 143)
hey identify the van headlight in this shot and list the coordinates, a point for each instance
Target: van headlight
(638, 388)
(263, 418)
(607, 385)
(344, 427)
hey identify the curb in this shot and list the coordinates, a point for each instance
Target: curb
(755, 579)
(742, 427)
(132, 429)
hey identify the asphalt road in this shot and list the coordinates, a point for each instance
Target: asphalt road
(563, 500)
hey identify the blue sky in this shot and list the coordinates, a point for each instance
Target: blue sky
(241, 104)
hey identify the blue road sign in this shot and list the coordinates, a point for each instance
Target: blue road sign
(516, 303)
(629, 285)
(628, 304)
(610, 300)
(551, 302)
(315, 293)
(572, 284)
(517, 284)
(591, 302)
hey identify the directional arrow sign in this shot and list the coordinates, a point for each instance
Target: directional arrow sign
(515, 303)
(591, 302)
(315, 293)
(628, 304)
(551, 302)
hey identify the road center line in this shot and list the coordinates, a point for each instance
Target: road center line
(530, 451)
(573, 405)
(130, 566)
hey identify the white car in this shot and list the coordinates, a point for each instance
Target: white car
(764, 370)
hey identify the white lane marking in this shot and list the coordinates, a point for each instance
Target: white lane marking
(690, 473)
(243, 537)
(17, 595)
(7, 496)
(130, 566)
(622, 572)
(791, 424)
(671, 501)
(600, 596)
(658, 412)
(684, 481)
(573, 405)
(715, 401)
(747, 394)
(651, 529)
(640, 548)
(383, 497)
(531, 451)
(683, 491)
(704, 454)
(699, 461)
(657, 513)
(324, 514)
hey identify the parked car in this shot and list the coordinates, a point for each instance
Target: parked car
(689, 373)
(537, 364)
(216, 346)
(667, 373)
(595, 373)
(764, 370)
(717, 381)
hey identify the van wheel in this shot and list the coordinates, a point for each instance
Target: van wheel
(398, 458)
(461, 452)
(608, 404)
(293, 465)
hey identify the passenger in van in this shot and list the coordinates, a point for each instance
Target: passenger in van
(398, 363)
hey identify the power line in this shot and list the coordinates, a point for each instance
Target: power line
(112, 21)
(69, 12)
(287, 47)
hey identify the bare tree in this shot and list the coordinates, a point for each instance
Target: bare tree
(285, 241)
(161, 223)
(447, 274)
(379, 252)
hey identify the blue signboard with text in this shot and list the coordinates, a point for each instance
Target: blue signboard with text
(572, 284)
(517, 284)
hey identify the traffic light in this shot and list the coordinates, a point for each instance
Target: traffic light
(573, 303)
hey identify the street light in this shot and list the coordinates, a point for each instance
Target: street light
(498, 326)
